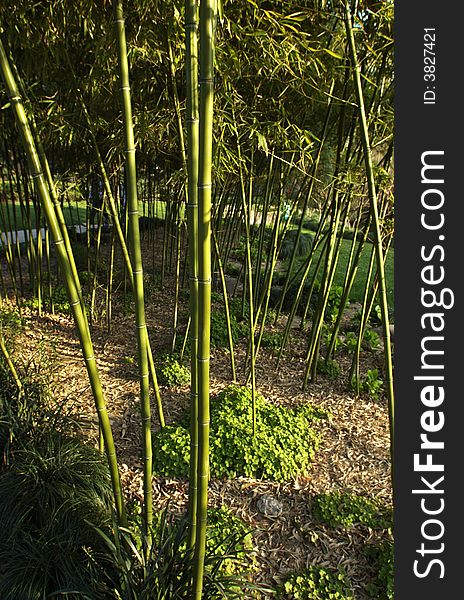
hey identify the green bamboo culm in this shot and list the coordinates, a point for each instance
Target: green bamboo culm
(51, 184)
(375, 219)
(121, 239)
(136, 256)
(207, 10)
(191, 44)
(80, 319)
(9, 362)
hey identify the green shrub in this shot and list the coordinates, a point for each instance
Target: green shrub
(333, 303)
(304, 243)
(372, 383)
(312, 223)
(54, 490)
(331, 368)
(371, 339)
(272, 340)
(219, 333)
(375, 317)
(316, 583)
(226, 535)
(351, 341)
(339, 509)
(86, 278)
(167, 570)
(236, 306)
(172, 372)
(233, 269)
(282, 448)
(381, 557)
(60, 299)
(225, 532)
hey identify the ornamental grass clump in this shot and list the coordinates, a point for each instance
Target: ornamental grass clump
(54, 490)
(283, 447)
(29, 410)
(52, 495)
(166, 570)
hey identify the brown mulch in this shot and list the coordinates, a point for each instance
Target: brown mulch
(353, 455)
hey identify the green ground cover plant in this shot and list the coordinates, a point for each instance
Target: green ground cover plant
(283, 447)
(381, 557)
(316, 583)
(340, 509)
(172, 372)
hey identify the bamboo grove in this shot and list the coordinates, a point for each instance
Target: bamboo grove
(270, 201)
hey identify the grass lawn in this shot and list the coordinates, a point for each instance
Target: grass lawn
(74, 213)
(357, 290)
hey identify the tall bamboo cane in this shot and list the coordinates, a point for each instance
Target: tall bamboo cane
(78, 314)
(117, 226)
(375, 218)
(53, 193)
(8, 361)
(204, 278)
(131, 182)
(178, 210)
(191, 43)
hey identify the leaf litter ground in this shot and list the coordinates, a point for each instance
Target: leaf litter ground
(353, 455)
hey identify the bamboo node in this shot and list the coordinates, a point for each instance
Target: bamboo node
(89, 358)
(37, 175)
(15, 99)
(205, 185)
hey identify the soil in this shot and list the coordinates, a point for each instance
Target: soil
(353, 455)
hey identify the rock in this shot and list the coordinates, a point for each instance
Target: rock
(269, 506)
(379, 331)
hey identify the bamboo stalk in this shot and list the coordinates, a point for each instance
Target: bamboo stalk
(9, 362)
(191, 27)
(307, 198)
(226, 307)
(248, 283)
(206, 22)
(375, 220)
(141, 328)
(128, 270)
(78, 314)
